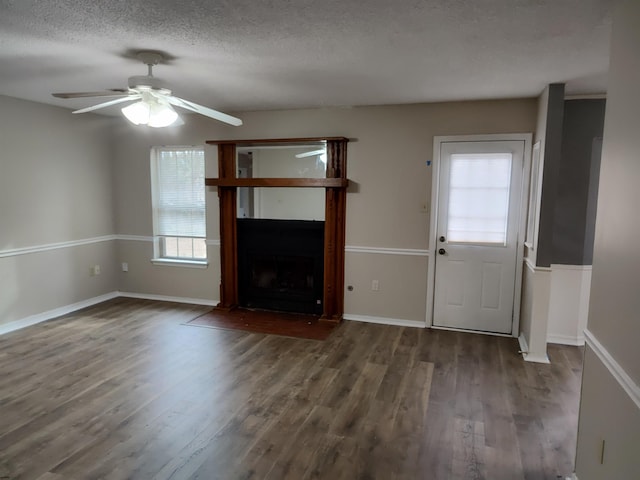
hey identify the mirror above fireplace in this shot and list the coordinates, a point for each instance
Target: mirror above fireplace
(281, 161)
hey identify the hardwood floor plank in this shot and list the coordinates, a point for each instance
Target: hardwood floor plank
(124, 390)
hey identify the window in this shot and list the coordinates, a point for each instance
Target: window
(479, 197)
(178, 195)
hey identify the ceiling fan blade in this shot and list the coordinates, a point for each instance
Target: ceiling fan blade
(115, 92)
(128, 98)
(202, 110)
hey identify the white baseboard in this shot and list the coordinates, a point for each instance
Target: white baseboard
(565, 340)
(528, 357)
(384, 320)
(167, 298)
(56, 312)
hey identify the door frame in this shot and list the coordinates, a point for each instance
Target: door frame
(522, 222)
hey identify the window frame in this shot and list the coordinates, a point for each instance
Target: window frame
(159, 239)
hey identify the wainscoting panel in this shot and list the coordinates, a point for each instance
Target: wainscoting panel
(568, 303)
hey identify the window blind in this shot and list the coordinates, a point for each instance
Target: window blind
(180, 192)
(479, 197)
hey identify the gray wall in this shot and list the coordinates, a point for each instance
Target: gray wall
(571, 165)
(551, 158)
(577, 187)
(56, 208)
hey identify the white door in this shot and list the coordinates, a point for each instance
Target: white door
(480, 186)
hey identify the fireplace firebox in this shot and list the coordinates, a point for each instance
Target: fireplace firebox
(280, 264)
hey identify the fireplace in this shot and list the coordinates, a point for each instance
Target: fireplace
(334, 184)
(280, 264)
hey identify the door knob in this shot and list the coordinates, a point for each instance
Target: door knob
(442, 251)
(442, 239)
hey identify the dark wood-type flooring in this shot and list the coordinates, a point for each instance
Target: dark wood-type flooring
(261, 321)
(124, 390)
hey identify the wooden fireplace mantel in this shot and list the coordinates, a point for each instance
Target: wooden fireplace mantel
(278, 182)
(335, 185)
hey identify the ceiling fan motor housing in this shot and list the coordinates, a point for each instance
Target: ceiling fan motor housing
(153, 83)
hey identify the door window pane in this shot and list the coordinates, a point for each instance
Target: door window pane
(479, 198)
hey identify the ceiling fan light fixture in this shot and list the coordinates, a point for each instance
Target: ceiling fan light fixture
(137, 113)
(161, 115)
(152, 112)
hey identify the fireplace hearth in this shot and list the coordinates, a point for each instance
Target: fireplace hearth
(280, 264)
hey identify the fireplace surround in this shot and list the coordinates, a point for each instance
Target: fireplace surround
(335, 185)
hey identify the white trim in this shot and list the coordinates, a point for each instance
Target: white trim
(431, 273)
(527, 139)
(170, 262)
(11, 252)
(387, 251)
(54, 246)
(560, 266)
(167, 298)
(399, 322)
(142, 238)
(135, 238)
(56, 312)
(529, 263)
(623, 378)
(528, 357)
(532, 212)
(565, 340)
(568, 310)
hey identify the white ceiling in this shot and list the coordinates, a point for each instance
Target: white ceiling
(240, 55)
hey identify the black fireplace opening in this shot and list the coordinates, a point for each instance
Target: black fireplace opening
(281, 264)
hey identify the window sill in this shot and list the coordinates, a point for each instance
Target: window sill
(169, 262)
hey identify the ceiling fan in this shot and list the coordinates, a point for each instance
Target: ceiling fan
(154, 107)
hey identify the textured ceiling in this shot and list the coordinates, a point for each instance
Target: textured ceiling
(240, 55)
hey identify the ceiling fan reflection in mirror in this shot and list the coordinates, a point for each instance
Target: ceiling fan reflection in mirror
(155, 102)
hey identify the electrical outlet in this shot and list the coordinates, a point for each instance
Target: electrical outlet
(97, 270)
(125, 267)
(375, 285)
